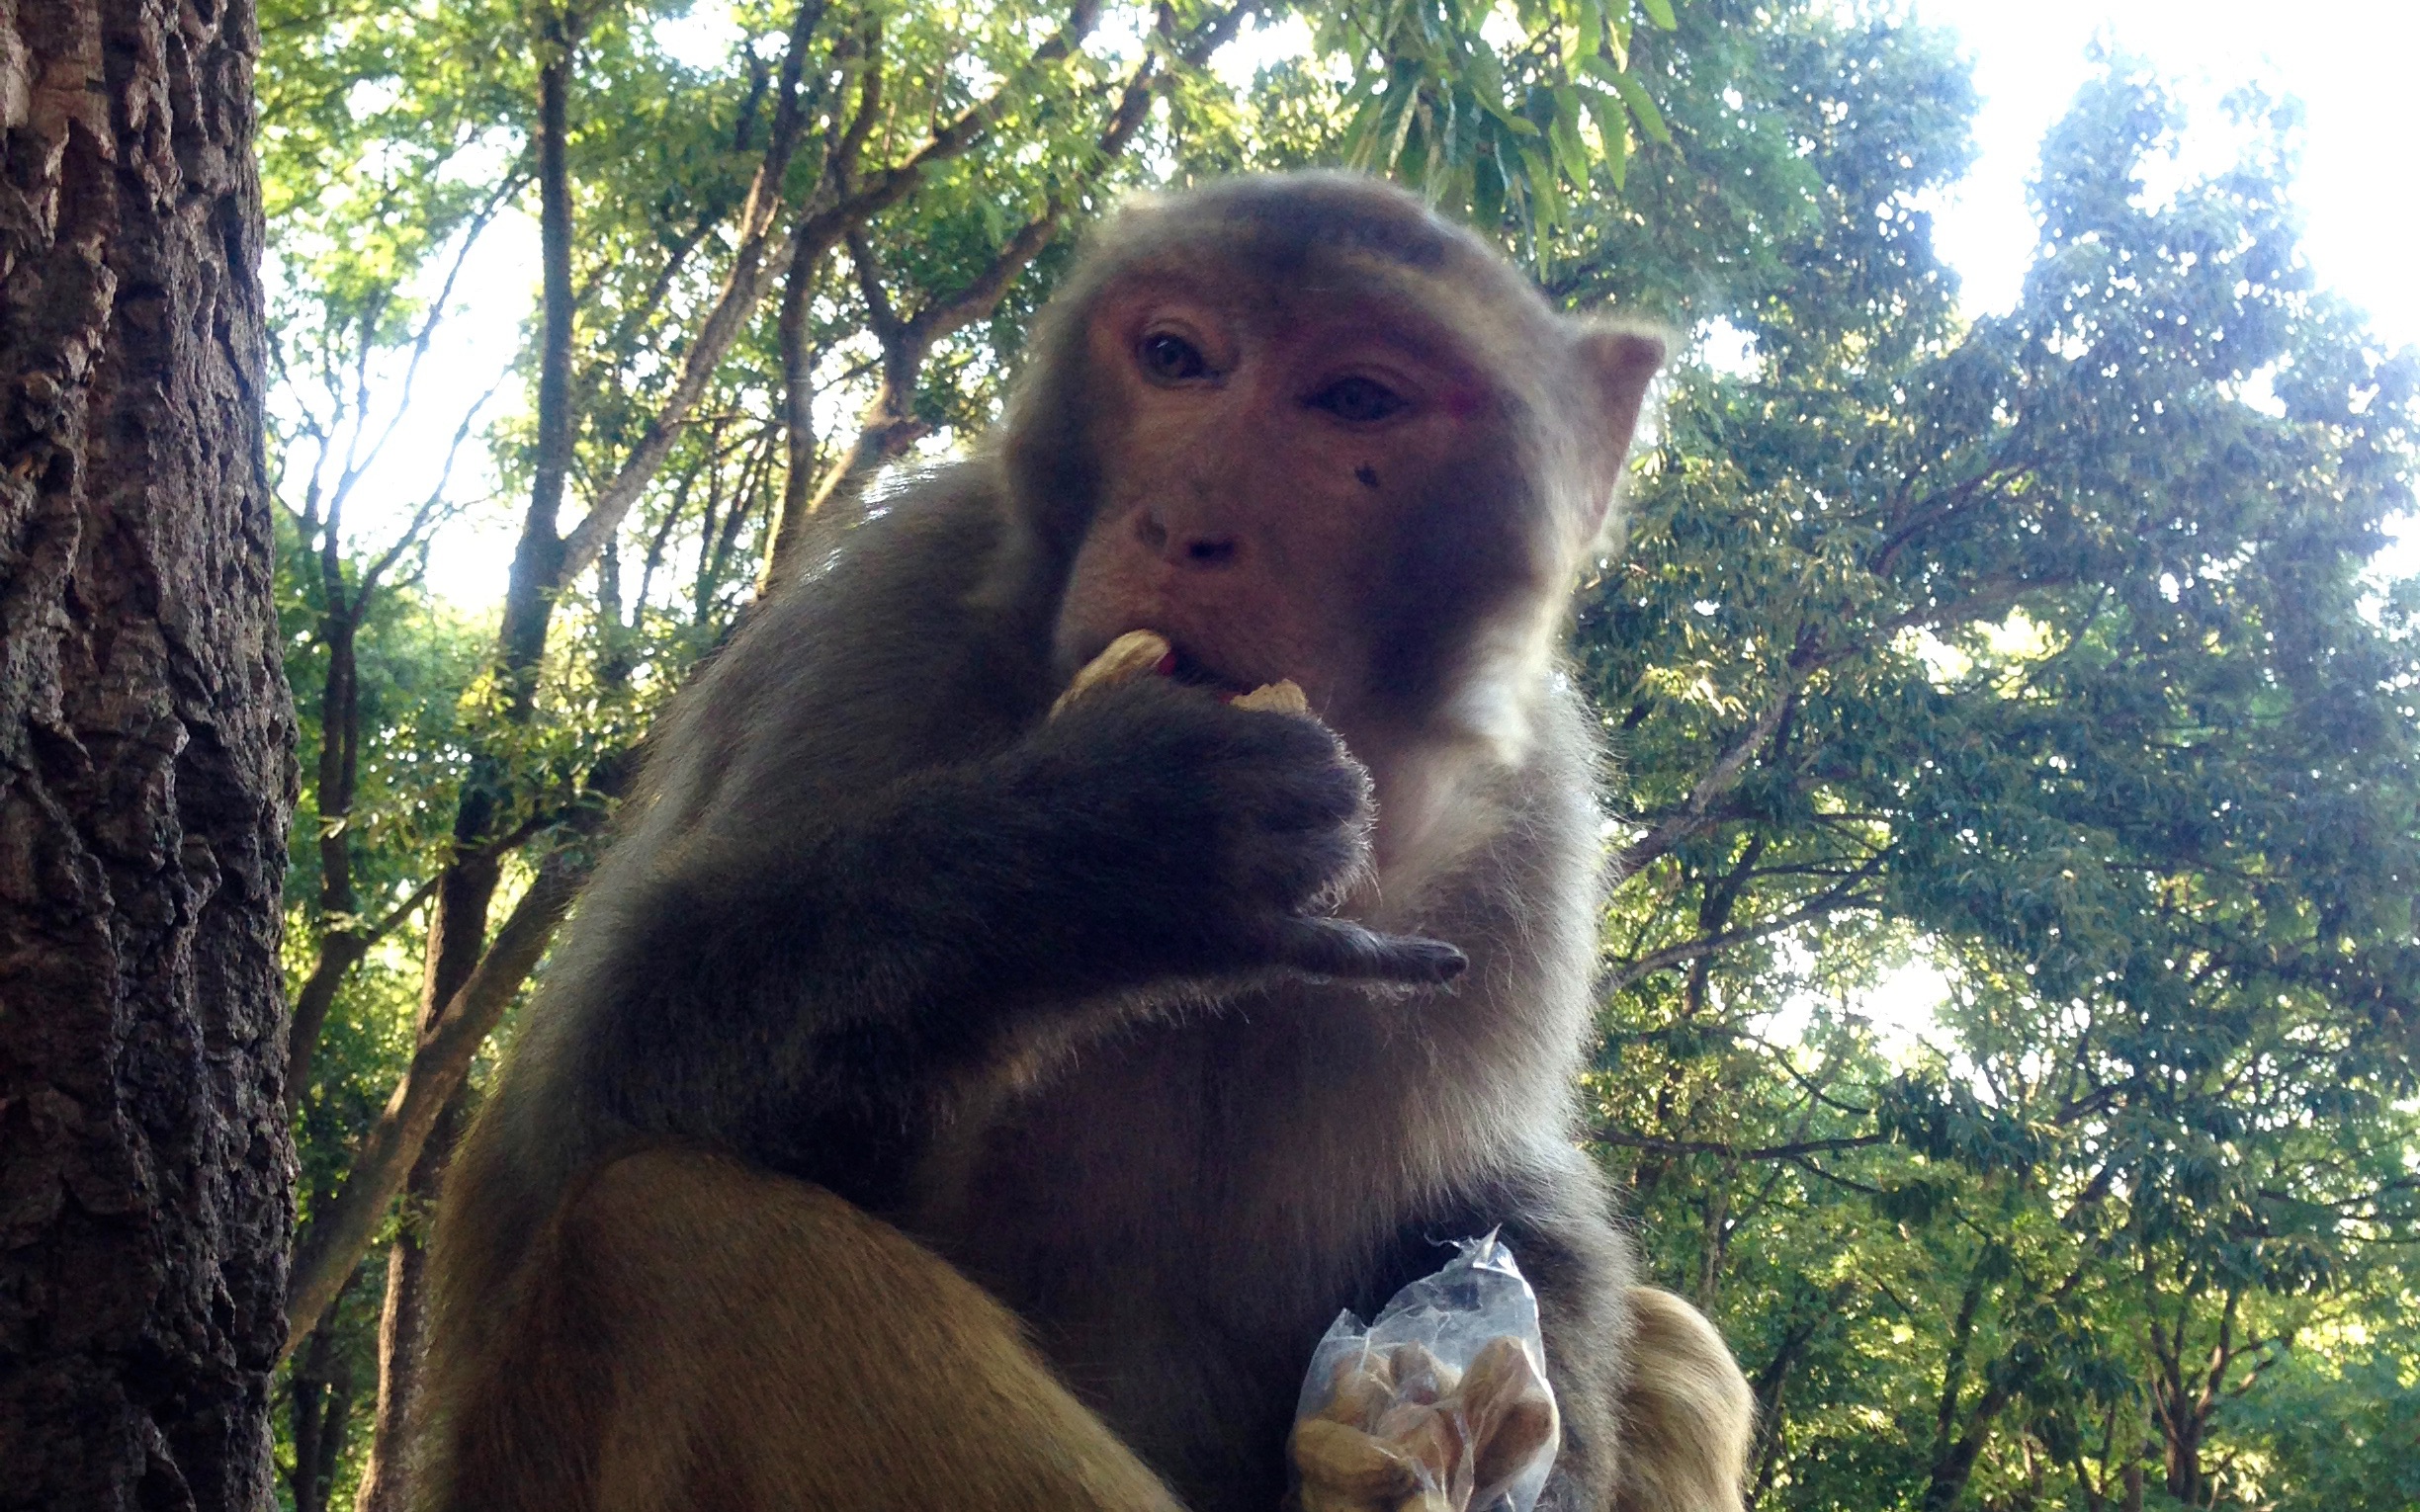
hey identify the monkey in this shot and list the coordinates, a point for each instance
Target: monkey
(934, 1102)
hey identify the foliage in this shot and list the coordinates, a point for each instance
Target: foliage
(2045, 642)
(1486, 128)
(2336, 1434)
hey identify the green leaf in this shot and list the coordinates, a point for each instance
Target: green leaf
(1484, 74)
(1362, 134)
(1487, 190)
(1612, 125)
(1616, 149)
(1600, 66)
(1519, 126)
(1661, 13)
(1650, 120)
(1569, 151)
(1542, 182)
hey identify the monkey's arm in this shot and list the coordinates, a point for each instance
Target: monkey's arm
(787, 987)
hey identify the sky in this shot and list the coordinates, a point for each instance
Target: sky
(2354, 64)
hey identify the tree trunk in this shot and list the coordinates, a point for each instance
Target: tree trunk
(385, 1484)
(1954, 1452)
(320, 1400)
(147, 767)
(2181, 1457)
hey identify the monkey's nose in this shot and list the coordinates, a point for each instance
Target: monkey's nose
(1184, 548)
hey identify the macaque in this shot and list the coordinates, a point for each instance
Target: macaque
(937, 1102)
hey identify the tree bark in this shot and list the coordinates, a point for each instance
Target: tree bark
(147, 767)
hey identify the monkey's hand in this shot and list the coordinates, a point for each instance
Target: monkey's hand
(1221, 836)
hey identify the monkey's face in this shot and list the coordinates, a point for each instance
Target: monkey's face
(1303, 486)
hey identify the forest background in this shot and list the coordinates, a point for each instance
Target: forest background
(2048, 650)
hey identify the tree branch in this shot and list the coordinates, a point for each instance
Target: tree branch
(890, 425)
(341, 1230)
(1743, 1155)
(1832, 901)
(761, 246)
(1725, 774)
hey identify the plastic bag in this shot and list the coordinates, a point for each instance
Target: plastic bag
(1440, 1404)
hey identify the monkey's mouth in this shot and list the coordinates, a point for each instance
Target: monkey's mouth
(1190, 670)
(1178, 663)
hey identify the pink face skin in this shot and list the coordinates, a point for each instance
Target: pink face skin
(1260, 463)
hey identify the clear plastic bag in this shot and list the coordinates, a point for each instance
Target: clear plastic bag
(1440, 1404)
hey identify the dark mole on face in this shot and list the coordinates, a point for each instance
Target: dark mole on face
(1367, 474)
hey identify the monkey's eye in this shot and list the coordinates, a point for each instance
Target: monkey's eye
(1358, 400)
(1169, 359)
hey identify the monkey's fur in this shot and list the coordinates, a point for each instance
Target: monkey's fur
(887, 965)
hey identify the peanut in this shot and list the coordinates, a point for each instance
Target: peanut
(1129, 655)
(1344, 1468)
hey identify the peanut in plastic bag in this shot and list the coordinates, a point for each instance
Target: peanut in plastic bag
(1440, 1404)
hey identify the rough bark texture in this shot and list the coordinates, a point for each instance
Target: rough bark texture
(147, 767)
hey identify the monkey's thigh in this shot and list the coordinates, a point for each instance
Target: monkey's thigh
(770, 1346)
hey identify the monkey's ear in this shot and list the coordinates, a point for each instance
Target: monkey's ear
(1621, 360)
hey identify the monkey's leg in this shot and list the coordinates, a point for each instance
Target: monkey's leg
(1687, 1414)
(696, 1334)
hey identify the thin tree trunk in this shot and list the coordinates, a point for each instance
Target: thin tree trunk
(403, 1320)
(2205, 1483)
(307, 1398)
(321, 1399)
(335, 1428)
(1953, 1452)
(341, 1229)
(146, 769)
(1954, 1465)
(1771, 1385)
(1715, 1238)
(341, 946)
(797, 413)
(2184, 1399)
(457, 926)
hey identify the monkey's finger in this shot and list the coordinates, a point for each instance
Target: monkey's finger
(1340, 948)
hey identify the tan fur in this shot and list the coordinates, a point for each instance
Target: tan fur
(1687, 1416)
(678, 1295)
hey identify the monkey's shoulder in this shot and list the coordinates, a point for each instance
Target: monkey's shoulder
(888, 655)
